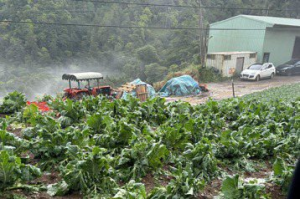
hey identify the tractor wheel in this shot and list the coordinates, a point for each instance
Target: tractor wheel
(79, 96)
(66, 95)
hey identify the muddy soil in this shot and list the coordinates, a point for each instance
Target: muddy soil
(223, 90)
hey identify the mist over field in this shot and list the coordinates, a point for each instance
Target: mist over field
(45, 80)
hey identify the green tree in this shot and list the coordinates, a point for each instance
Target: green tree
(146, 55)
(155, 72)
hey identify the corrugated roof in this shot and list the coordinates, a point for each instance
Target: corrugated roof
(275, 20)
(231, 53)
(272, 21)
(82, 76)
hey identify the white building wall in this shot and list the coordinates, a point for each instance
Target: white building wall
(228, 67)
(216, 63)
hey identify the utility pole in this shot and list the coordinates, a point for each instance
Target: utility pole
(202, 35)
(267, 14)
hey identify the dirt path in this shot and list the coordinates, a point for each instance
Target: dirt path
(223, 90)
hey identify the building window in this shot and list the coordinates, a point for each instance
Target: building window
(266, 57)
(227, 57)
(212, 57)
(252, 55)
(296, 51)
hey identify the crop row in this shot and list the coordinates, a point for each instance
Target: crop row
(105, 149)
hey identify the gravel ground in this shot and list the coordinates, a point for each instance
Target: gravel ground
(223, 90)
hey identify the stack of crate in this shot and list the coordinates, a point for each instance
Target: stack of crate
(141, 91)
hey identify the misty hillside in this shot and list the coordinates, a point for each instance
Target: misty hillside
(41, 39)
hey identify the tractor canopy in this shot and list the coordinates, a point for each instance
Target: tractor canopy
(82, 76)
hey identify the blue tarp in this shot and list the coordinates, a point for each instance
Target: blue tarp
(180, 86)
(150, 89)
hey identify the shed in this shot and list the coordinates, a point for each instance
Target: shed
(275, 40)
(229, 63)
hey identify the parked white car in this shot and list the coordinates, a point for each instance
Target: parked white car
(258, 71)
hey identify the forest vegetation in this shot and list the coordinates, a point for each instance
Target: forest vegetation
(34, 54)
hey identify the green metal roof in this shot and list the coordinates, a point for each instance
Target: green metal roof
(271, 21)
(275, 20)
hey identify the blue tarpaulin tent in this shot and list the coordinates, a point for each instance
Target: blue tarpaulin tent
(180, 86)
(150, 89)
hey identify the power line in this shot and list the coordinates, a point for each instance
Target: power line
(177, 6)
(137, 27)
(183, 6)
(56, 10)
(167, 5)
(204, 7)
(96, 25)
(138, 4)
(250, 9)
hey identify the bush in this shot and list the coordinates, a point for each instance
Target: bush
(210, 75)
(13, 102)
(192, 70)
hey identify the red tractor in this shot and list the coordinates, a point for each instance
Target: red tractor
(78, 93)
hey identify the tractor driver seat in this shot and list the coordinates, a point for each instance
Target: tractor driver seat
(90, 89)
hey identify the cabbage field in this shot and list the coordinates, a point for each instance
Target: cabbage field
(95, 148)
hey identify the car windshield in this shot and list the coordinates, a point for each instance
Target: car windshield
(255, 67)
(292, 62)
